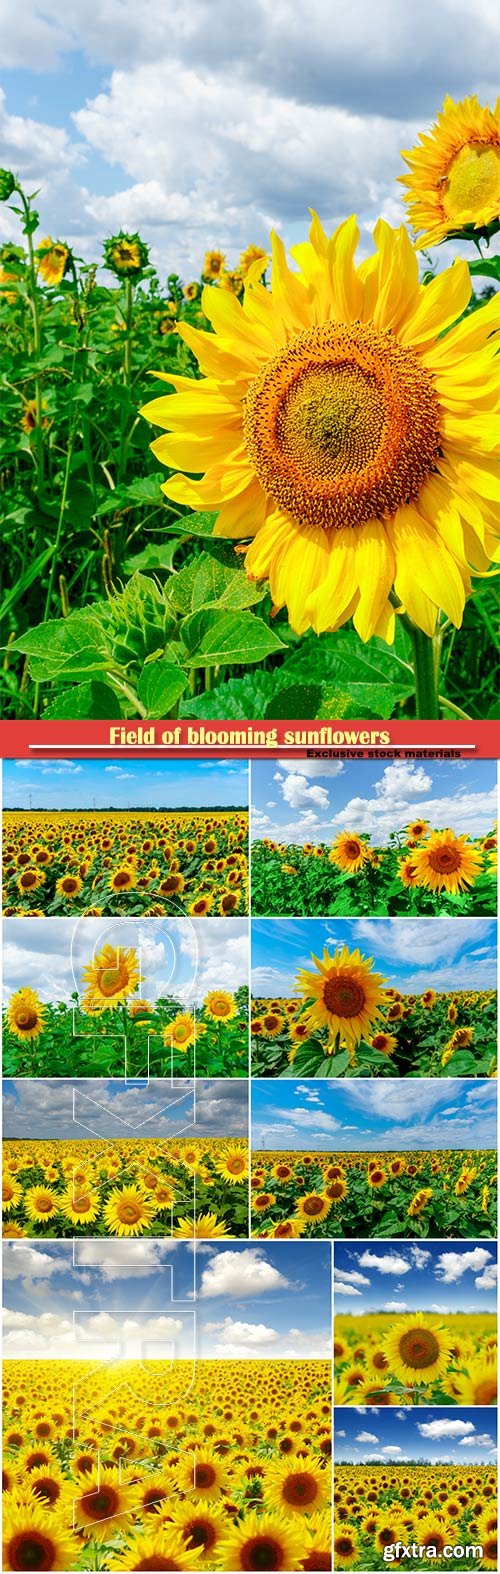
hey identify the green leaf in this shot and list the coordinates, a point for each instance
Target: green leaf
(155, 558)
(195, 524)
(226, 585)
(91, 700)
(240, 699)
(233, 638)
(295, 701)
(33, 571)
(71, 645)
(160, 686)
(339, 1063)
(489, 266)
(357, 680)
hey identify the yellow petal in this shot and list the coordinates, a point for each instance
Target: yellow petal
(375, 567)
(441, 302)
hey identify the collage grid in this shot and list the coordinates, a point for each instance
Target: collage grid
(172, 1207)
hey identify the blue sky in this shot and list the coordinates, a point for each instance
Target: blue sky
(177, 956)
(310, 801)
(412, 955)
(365, 1116)
(239, 1301)
(48, 1109)
(97, 784)
(175, 121)
(401, 1277)
(441, 1436)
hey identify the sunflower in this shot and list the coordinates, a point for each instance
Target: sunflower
(202, 1526)
(11, 1194)
(41, 1203)
(101, 1508)
(345, 1547)
(128, 1212)
(163, 1550)
(385, 1043)
(220, 1006)
(125, 255)
(111, 977)
(454, 180)
(36, 1538)
(180, 1033)
(213, 265)
(262, 1541)
(25, 1014)
(447, 862)
(313, 1207)
(205, 1227)
(53, 259)
(29, 880)
(478, 1385)
(297, 1487)
(202, 1474)
(232, 1164)
(419, 1202)
(69, 886)
(350, 852)
(81, 1207)
(250, 255)
(122, 879)
(418, 1349)
(416, 830)
(272, 1024)
(336, 422)
(346, 992)
(201, 906)
(376, 1177)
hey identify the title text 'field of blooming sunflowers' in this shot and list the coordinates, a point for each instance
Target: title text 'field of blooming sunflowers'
(190, 1187)
(306, 514)
(150, 864)
(196, 1470)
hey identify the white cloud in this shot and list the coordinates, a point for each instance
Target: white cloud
(396, 1306)
(299, 795)
(451, 1265)
(366, 1437)
(242, 1273)
(350, 1276)
(385, 1262)
(446, 1427)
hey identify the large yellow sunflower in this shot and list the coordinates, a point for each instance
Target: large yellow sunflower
(446, 862)
(35, 1537)
(25, 1014)
(346, 992)
(261, 1541)
(298, 1486)
(418, 1348)
(454, 180)
(128, 1212)
(111, 977)
(345, 423)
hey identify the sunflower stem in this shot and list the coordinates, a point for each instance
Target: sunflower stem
(424, 662)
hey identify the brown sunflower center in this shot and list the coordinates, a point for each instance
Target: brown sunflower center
(30, 1549)
(313, 1206)
(200, 1533)
(101, 1503)
(485, 1392)
(121, 880)
(44, 1203)
(129, 1212)
(69, 885)
(473, 181)
(262, 1552)
(204, 1476)
(445, 859)
(46, 1487)
(26, 1018)
(300, 1490)
(236, 1164)
(81, 1204)
(419, 1348)
(342, 425)
(344, 997)
(112, 979)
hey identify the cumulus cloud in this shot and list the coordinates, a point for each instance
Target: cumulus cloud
(241, 1273)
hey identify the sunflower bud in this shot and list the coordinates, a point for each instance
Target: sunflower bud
(126, 256)
(7, 184)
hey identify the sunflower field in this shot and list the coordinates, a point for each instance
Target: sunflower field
(427, 1035)
(125, 1035)
(167, 1467)
(131, 1187)
(420, 872)
(435, 1506)
(418, 1359)
(302, 521)
(126, 864)
(373, 1195)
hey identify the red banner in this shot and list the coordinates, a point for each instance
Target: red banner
(360, 739)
